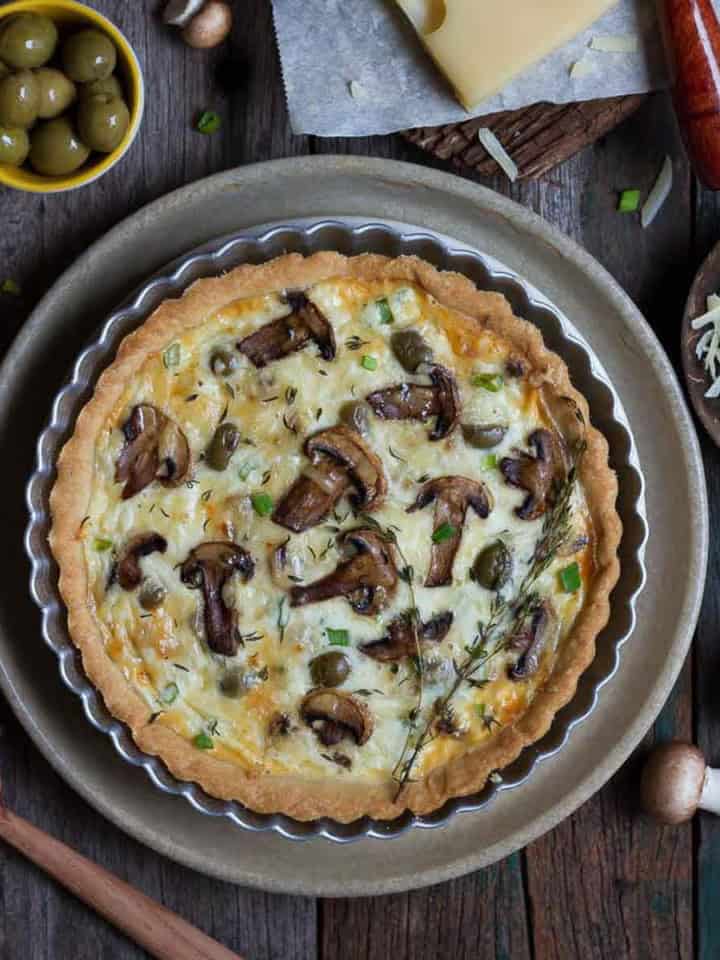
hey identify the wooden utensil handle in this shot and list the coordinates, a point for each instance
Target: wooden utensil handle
(161, 932)
(692, 39)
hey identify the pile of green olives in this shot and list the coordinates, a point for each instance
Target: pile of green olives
(59, 96)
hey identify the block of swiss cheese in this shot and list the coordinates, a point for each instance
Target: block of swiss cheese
(480, 45)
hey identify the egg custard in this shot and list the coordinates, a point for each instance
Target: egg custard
(335, 535)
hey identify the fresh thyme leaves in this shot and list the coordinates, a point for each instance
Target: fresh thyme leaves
(396, 455)
(354, 343)
(507, 615)
(290, 395)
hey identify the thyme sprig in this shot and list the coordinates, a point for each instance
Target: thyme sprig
(507, 615)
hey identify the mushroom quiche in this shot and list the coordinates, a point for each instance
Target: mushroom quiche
(336, 536)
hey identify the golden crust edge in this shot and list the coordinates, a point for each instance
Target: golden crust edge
(297, 797)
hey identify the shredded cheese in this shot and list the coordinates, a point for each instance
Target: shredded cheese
(622, 43)
(708, 346)
(498, 152)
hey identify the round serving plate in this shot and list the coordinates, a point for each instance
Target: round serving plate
(351, 236)
(292, 190)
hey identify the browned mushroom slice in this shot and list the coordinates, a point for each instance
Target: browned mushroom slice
(340, 459)
(368, 578)
(334, 715)
(452, 497)
(400, 640)
(208, 567)
(541, 474)
(566, 419)
(530, 643)
(304, 324)
(128, 571)
(416, 401)
(155, 448)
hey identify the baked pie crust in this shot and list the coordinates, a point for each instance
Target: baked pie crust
(205, 640)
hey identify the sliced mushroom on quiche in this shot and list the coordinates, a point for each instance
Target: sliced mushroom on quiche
(336, 536)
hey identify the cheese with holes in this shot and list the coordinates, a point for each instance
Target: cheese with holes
(480, 45)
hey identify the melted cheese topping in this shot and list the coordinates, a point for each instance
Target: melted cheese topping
(162, 652)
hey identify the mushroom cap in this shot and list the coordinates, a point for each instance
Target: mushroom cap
(365, 468)
(279, 338)
(672, 782)
(338, 707)
(155, 449)
(416, 401)
(129, 574)
(210, 26)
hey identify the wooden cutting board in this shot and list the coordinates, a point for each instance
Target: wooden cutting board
(537, 137)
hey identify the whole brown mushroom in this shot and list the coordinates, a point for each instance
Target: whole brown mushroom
(209, 27)
(676, 782)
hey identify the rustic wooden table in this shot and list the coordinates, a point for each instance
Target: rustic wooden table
(606, 883)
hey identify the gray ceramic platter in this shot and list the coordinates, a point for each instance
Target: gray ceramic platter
(370, 190)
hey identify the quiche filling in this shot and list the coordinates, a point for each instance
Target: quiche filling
(337, 532)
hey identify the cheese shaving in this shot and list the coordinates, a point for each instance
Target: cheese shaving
(658, 195)
(498, 152)
(581, 68)
(621, 43)
(708, 346)
(357, 90)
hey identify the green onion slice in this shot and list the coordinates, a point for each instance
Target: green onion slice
(171, 357)
(369, 362)
(338, 638)
(170, 693)
(203, 742)
(209, 122)
(102, 544)
(488, 381)
(629, 201)
(570, 578)
(444, 532)
(384, 311)
(262, 504)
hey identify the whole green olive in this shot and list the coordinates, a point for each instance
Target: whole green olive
(19, 99)
(223, 445)
(152, 595)
(493, 566)
(55, 149)
(14, 146)
(110, 86)
(483, 436)
(56, 92)
(102, 122)
(88, 55)
(223, 362)
(27, 40)
(411, 349)
(356, 415)
(330, 669)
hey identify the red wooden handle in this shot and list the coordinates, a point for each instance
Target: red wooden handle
(692, 37)
(162, 933)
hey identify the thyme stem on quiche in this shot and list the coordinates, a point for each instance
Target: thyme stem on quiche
(507, 616)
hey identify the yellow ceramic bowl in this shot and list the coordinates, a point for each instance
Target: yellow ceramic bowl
(71, 12)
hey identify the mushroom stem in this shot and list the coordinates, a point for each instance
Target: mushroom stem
(710, 796)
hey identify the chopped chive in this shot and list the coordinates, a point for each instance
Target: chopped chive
(444, 532)
(262, 504)
(208, 122)
(629, 201)
(338, 638)
(10, 287)
(570, 578)
(203, 742)
(490, 461)
(170, 693)
(488, 381)
(171, 357)
(384, 311)
(101, 544)
(369, 362)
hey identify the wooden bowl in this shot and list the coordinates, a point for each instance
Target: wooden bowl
(707, 281)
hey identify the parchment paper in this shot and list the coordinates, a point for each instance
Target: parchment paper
(329, 48)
